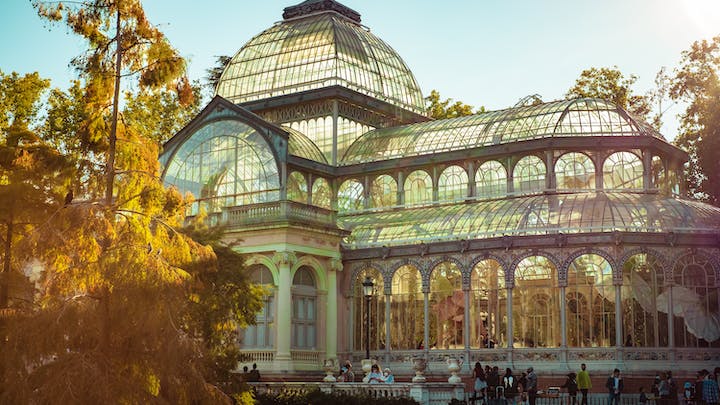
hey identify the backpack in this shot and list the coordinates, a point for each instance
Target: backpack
(510, 385)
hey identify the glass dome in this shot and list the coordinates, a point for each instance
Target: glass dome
(566, 118)
(317, 47)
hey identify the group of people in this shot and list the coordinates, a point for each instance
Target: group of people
(374, 377)
(703, 391)
(252, 375)
(490, 384)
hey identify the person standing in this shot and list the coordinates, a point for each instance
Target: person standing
(584, 384)
(711, 395)
(349, 375)
(510, 387)
(614, 385)
(572, 388)
(532, 385)
(480, 383)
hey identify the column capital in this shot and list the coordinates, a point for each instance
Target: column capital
(284, 258)
(336, 264)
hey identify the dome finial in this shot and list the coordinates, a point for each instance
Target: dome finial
(315, 6)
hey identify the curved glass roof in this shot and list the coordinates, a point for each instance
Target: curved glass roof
(300, 145)
(566, 118)
(319, 50)
(532, 215)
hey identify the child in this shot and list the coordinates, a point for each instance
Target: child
(643, 397)
(688, 392)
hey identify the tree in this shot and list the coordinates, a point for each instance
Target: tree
(159, 114)
(437, 109)
(611, 85)
(213, 74)
(696, 81)
(33, 175)
(112, 316)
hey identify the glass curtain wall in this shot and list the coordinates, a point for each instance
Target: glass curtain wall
(453, 184)
(406, 310)
(383, 192)
(297, 188)
(418, 188)
(536, 306)
(529, 175)
(590, 303)
(321, 194)
(491, 180)
(377, 311)
(695, 303)
(643, 281)
(350, 196)
(447, 307)
(488, 305)
(575, 171)
(622, 170)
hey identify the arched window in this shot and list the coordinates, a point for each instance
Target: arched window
(447, 307)
(590, 303)
(406, 310)
(491, 180)
(262, 334)
(304, 309)
(622, 170)
(383, 192)
(453, 184)
(377, 311)
(488, 303)
(224, 164)
(529, 175)
(297, 188)
(695, 303)
(418, 188)
(575, 171)
(321, 193)
(536, 309)
(350, 196)
(642, 284)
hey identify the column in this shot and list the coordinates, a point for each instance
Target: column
(426, 318)
(466, 331)
(331, 312)
(335, 114)
(563, 318)
(597, 162)
(283, 261)
(550, 183)
(472, 189)
(671, 320)
(647, 170)
(509, 318)
(618, 319)
(388, 290)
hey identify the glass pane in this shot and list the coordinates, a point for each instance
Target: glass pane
(536, 308)
(590, 303)
(418, 188)
(575, 171)
(622, 170)
(407, 309)
(453, 184)
(447, 307)
(491, 180)
(529, 175)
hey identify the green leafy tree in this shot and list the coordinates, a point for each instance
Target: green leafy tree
(158, 115)
(213, 74)
(696, 81)
(611, 85)
(439, 109)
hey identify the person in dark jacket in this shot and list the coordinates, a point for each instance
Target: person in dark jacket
(614, 385)
(572, 388)
(493, 380)
(510, 387)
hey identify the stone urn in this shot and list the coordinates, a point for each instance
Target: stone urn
(329, 367)
(419, 365)
(366, 367)
(453, 366)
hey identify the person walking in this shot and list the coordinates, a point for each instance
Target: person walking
(532, 385)
(711, 395)
(584, 384)
(614, 385)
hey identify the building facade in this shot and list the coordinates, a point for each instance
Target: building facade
(546, 234)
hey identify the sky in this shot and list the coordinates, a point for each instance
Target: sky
(483, 53)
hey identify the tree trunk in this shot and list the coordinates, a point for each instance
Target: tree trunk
(110, 168)
(5, 280)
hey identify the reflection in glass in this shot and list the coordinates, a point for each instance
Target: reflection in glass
(261, 335)
(406, 313)
(453, 184)
(297, 188)
(377, 311)
(622, 170)
(350, 196)
(488, 303)
(529, 175)
(536, 309)
(590, 303)
(447, 307)
(321, 193)
(383, 192)
(575, 171)
(642, 284)
(491, 180)
(418, 188)
(695, 302)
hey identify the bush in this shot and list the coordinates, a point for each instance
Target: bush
(320, 398)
